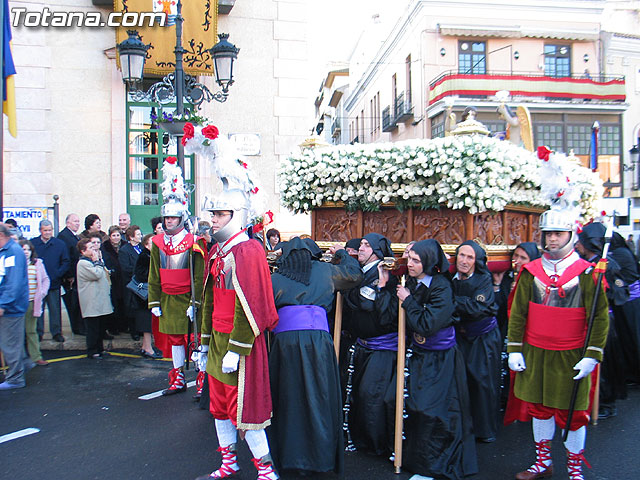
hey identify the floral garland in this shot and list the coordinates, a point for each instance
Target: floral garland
(470, 171)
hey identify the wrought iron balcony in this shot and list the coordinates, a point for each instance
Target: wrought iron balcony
(404, 109)
(388, 122)
(598, 88)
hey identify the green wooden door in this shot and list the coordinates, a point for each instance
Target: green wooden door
(147, 148)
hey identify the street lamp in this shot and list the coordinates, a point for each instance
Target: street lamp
(634, 154)
(177, 86)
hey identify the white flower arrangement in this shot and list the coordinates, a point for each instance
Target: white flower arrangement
(475, 172)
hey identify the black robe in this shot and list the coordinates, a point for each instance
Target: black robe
(306, 429)
(371, 425)
(438, 430)
(627, 315)
(475, 301)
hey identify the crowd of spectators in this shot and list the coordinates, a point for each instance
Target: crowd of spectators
(89, 271)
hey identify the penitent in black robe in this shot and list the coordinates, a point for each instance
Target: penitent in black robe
(627, 315)
(438, 431)
(474, 301)
(306, 430)
(371, 424)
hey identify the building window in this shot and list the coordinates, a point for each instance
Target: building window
(550, 136)
(557, 60)
(407, 98)
(578, 139)
(437, 126)
(496, 127)
(609, 140)
(472, 58)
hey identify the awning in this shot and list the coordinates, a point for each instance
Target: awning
(479, 31)
(517, 31)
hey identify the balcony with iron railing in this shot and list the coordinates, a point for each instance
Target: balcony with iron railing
(588, 88)
(335, 129)
(403, 107)
(388, 122)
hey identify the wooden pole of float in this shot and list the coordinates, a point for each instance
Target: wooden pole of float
(337, 325)
(399, 424)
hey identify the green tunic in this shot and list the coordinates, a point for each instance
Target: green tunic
(174, 320)
(548, 378)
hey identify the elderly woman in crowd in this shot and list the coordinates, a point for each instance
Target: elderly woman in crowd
(94, 295)
(128, 255)
(93, 224)
(38, 288)
(110, 251)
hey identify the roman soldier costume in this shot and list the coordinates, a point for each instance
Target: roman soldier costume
(238, 307)
(547, 331)
(176, 266)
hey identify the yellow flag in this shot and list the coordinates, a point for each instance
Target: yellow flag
(198, 34)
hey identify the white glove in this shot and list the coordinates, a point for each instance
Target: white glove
(516, 362)
(156, 311)
(230, 362)
(199, 357)
(191, 313)
(586, 366)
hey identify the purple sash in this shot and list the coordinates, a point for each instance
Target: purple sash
(388, 341)
(443, 339)
(479, 327)
(634, 290)
(301, 317)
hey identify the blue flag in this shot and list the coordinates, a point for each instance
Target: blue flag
(593, 148)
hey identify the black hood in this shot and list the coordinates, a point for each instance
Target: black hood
(592, 237)
(481, 256)
(531, 249)
(353, 243)
(380, 244)
(432, 257)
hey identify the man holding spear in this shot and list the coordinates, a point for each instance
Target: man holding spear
(547, 330)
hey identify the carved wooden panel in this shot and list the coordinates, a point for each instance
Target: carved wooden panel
(535, 223)
(335, 224)
(446, 226)
(389, 222)
(488, 228)
(516, 231)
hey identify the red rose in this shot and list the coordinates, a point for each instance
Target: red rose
(210, 131)
(188, 130)
(543, 153)
(171, 160)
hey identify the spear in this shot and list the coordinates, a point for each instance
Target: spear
(600, 268)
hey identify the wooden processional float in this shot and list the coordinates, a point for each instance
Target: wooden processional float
(466, 186)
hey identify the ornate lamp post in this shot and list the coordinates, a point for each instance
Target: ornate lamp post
(177, 86)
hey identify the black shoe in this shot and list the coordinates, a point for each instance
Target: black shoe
(153, 355)
(135, 337)
(607, 412)
(486, 439)
(58, 338)
(114, 333)
(106, 336)
(39, 337)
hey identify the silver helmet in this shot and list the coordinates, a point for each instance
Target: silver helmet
(173, 207)
(234, 200)
(556, 220)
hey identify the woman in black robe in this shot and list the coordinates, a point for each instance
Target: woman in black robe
(439, 441)
(306, 430)
(627, 315)
(479, 340)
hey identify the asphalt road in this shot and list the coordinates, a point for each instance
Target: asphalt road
(92, 425)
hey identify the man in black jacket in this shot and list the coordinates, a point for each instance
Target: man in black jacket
(69, 235)
(55, 256)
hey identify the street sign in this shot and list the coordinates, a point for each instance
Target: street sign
(27, 218)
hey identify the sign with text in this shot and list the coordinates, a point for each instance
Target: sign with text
(246, 143)
(27, 218)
